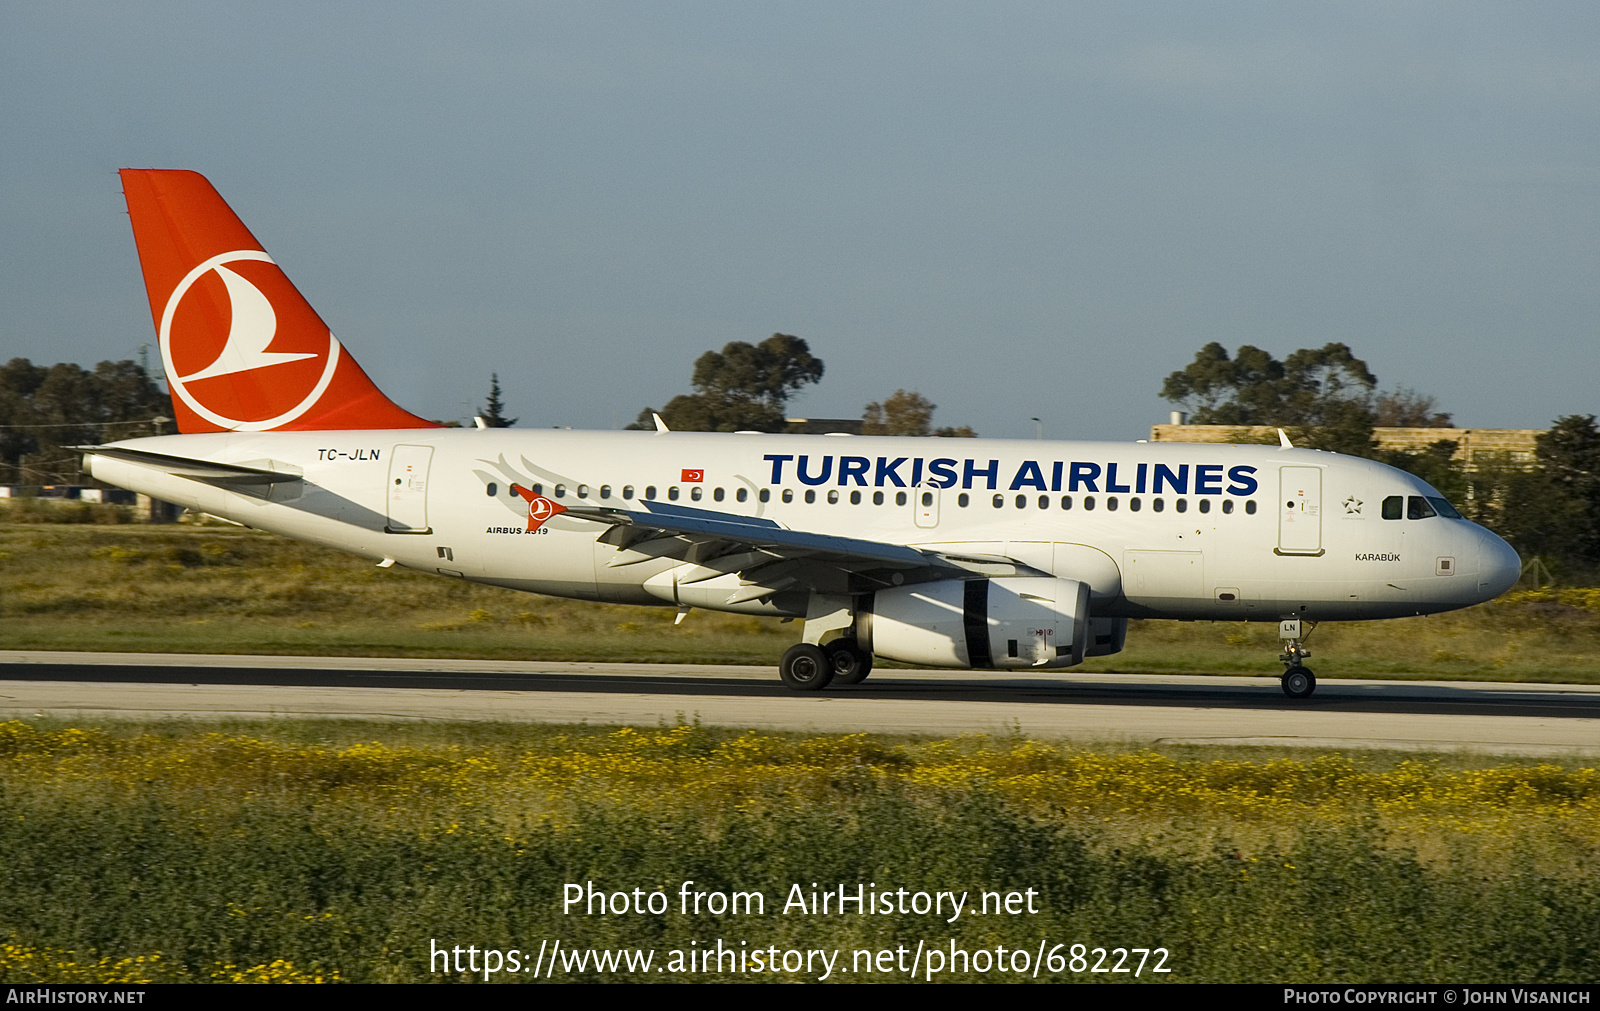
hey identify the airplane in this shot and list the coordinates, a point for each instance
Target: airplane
(968, 554)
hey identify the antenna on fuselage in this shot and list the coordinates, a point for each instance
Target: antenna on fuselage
(661, 426)
(1283, 440)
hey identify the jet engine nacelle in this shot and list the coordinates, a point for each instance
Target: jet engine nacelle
(1107, 636)
(1008, 622)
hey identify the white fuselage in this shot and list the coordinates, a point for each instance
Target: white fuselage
(1224, 532)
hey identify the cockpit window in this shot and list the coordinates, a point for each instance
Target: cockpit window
(1393, 506)
(1417, 508)
(1444, 508)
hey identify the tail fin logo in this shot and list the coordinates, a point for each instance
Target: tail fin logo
(213, 299)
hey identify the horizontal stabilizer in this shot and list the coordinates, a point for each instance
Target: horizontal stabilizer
(195, 470)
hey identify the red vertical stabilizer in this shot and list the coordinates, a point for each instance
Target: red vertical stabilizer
(242, 349)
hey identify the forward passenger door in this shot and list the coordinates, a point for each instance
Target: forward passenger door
(1300, 510)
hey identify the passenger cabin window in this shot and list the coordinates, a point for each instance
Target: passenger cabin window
(1205, 505)
(1158, 504)
(605, 491)
(743, 494)
(583, 491)
(718, 494)
(877, 498)
(493, 490)
(1088, 502)
(999, 500)
(1250, 507)
(1182, 505)
(1066, 501)
(627, 491)
(855, 498)
(766, 495)
(650, 491)
(1392, 506)
(1227, 505)
(1133, 504)
(811, 495)
(963, 499)
(697, 493)
(672, 493)
(788, 495)
(833, 497)
(1417, 508)
(561, 491)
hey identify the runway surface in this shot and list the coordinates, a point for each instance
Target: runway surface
(1538, 720)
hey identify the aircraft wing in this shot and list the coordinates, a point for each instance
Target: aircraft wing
(755, 532)
(763, 551)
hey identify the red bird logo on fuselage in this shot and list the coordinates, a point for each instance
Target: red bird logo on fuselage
(540, 509)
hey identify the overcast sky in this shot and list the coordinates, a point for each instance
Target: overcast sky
(1019, 210)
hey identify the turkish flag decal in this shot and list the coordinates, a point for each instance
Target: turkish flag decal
(693, 476)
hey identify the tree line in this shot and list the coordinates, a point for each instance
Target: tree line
(45, 408)
(745, 388)
(1326, 398)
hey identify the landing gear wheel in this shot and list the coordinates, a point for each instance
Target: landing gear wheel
(805, 668)
(1299, 682)
(851, 663)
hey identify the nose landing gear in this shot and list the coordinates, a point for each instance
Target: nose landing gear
(1299, 681)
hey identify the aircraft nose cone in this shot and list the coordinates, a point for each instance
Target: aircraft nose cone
(1499, 568)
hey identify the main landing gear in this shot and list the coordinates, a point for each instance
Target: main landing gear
(851, 663)
(1299, 681)
(809, 668)
(813, 664)
(805, 668)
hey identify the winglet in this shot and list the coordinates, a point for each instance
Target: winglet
(661, 426)
(1283, 440)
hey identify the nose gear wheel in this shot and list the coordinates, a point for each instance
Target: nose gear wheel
(1299, 682)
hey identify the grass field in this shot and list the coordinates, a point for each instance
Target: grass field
(298, 851)
(227, 590)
